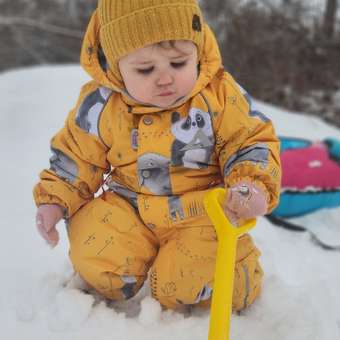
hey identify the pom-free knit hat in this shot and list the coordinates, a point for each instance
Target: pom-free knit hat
(127, 25)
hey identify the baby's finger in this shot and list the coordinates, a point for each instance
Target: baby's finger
(41, 227)
(53, 237)
(232, 217)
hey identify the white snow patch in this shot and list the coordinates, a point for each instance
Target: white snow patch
(42, 299)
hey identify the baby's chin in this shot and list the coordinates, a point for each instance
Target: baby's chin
(165, 102)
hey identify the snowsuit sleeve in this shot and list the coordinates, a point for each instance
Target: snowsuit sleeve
(247, 145)
(78, 159)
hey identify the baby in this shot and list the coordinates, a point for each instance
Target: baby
(161, 123)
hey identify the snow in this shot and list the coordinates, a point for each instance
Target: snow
(40, 296)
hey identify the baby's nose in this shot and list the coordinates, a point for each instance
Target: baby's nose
(164, 78)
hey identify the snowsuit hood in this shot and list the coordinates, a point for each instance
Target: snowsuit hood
(93, 61)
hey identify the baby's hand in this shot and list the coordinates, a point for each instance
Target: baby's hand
(48, 215)
(245, 200)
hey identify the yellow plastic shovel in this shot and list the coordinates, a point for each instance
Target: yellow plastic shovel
(227, 234)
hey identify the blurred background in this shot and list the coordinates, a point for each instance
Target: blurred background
(284, 52)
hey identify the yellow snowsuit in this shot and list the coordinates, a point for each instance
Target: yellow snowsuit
(161, 163)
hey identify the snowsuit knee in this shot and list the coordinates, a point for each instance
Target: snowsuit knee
(110, 247)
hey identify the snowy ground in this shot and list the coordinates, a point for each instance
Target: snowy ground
(300, 300)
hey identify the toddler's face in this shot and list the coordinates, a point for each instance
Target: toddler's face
(160, 74)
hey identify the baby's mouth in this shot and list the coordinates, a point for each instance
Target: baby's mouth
(166, 93)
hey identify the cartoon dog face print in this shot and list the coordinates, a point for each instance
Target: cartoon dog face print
(194, 139)
(153, 173)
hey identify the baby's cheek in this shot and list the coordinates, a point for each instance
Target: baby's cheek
(140, 91)
(187, 84)
(145, 92)
(187, 80)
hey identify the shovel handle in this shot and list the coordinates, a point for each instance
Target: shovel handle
(227, 234)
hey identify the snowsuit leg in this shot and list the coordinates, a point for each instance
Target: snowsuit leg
(248, 273)
(110, 247)
(183, 271)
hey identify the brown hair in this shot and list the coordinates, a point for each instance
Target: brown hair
(169, 45)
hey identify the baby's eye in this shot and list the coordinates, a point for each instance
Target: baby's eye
(178, 65)
(145, 70)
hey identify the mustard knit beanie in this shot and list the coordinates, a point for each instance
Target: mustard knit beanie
(127, 25)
